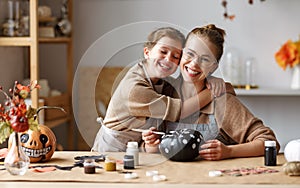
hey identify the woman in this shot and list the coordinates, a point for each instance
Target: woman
(139, 102)
(238, 132)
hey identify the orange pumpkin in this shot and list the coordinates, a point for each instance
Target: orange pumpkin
(38, 145)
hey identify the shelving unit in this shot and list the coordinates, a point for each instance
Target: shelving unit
(32, 41)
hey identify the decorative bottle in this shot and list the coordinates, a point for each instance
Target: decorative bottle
(16, 162)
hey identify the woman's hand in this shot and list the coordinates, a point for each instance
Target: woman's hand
(214, 150)
(151, 140)
(216, 86)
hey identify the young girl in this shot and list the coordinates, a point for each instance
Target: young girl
(139, 100)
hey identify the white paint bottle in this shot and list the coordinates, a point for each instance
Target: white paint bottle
(133, 149)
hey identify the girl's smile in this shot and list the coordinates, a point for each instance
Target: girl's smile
(163, 58)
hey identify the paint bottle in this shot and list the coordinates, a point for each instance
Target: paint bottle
(110, 164)
(270, 153)
(128, 162)
(132, 149)
(89, 166)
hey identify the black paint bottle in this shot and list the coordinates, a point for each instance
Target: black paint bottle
(270, 153)
(128, 162)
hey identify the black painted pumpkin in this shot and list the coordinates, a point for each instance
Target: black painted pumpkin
(181, 145)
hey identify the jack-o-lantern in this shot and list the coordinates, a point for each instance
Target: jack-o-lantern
(38, 145)
(181, 145)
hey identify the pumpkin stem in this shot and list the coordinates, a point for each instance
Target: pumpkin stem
(47, 107)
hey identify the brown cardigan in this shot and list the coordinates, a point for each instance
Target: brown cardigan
(236, 123)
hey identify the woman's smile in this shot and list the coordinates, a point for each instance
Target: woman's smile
(192, 72)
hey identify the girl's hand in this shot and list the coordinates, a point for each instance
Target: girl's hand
(151, 140)
(214, 150)
(216, 85)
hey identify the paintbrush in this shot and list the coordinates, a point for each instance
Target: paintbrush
(142, 130)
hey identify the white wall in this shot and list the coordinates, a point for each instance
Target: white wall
(257, 31)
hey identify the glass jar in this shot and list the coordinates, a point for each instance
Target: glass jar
(24, 18)
(250, 65)
(232, 67)
(9, 25)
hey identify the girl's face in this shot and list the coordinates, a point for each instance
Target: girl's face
(198, 59)
(163, 58)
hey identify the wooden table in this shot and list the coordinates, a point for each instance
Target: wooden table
(189, 174)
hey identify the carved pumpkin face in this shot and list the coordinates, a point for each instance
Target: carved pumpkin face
(181, 145)
(38, 145)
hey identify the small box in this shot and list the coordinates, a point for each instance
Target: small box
(57, 101)
(46, 31)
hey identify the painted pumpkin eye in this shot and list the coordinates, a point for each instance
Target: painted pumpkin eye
(43, 139)
(24, 138)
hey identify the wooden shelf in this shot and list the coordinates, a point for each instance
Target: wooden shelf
(47, 19)
(267, 92)
(55, 40)
(15, 41)
(27, 41)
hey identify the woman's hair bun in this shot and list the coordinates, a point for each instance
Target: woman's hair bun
(213, 27)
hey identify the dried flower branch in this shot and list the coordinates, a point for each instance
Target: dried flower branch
(14, 114)
(232, 16)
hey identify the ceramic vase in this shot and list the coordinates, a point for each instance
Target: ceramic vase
(16, 162)
(295, 83)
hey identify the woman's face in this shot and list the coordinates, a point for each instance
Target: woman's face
(163, 58)
(198, 59)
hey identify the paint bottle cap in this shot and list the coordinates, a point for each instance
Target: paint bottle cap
(159, 178)
(132, 145)
(130, 175)
(151, 173)
(270, 143)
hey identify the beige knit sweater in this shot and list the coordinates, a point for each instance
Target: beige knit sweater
(135, 100)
